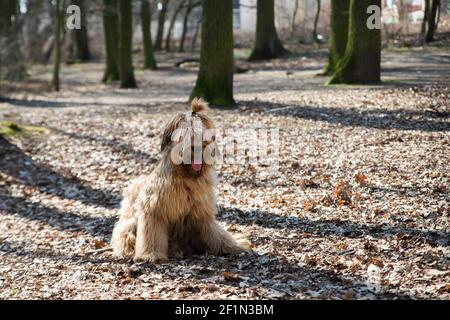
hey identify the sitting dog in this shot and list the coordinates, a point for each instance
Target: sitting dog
(175, 205)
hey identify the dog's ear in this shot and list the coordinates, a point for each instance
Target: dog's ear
(169, 130)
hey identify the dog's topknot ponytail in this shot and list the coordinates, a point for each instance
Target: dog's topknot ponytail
(199, 105)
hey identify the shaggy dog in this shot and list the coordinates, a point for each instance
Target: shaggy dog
(175, 205)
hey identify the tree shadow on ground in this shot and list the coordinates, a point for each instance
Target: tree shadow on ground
(116, 146)
(100, 226)
(16, 163)
(400, 119)
(337, 228)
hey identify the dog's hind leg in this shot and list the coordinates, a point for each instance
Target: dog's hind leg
(152, 240)
(219, 241)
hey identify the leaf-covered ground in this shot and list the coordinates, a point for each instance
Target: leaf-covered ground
(358, 210)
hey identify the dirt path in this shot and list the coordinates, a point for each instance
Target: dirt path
(359, 208)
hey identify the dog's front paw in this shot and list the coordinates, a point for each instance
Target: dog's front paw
(242, 243)
(150, 258)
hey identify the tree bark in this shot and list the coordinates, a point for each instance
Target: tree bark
(191, 6)
(125, 45)
(316, 21)
(215, 76)
(111, 35)
(80, 36)
(172, 23)
(339, 16)
(433, 19)
(426, 13)
(149, 56)
(361, 61)
(267, 43)
(161, 22)
(57, 46)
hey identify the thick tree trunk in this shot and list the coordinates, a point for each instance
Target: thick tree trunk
(80, 38)
(267, 43)
(172, 23)
(57, 46)
(426, 13)
(161, 22)
(149, 56)
(338, 33)
(215, 76)
(316, 21)
(111, 32)
(361, 61)
(125, 45)
(433, 19)
(12, 65)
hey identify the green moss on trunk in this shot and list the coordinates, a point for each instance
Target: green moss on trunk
(111, 32)
(361, 61)
(125, 45)
(338, 34)
(149, 56)
(215, 76)
(267, 43)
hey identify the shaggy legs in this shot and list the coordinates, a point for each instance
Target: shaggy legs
(151, 240)
(219, 241)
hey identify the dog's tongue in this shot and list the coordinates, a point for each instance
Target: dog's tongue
(196, 166)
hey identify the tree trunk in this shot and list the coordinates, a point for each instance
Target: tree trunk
(361, 61)
(111, 32)
(433, 20)
(57, 45)
(338, 34)
(215, 76)
(12, 65)
(294, 16)
(149, 56)
(316, 21)
(172, 23)
(125, 45)
(161, 21)
(426, 13)
(80, 37)
(267, 43)
(191, 6)
(196, 32)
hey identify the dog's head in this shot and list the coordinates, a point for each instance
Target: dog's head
(189, 139)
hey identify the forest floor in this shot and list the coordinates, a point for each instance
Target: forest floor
(359, 208)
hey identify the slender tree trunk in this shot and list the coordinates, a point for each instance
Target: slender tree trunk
(191, 6)
(149, 56)
(267, 43)
(215, 76)
(433, 20)
(161, 22)
(294, 17)
(125, 45)
(80, 38)
(316, 21)
(361, 61)
(196, 32)
(426, 14)
(338, 34)
(57, 45)
(111, 32)
(172, 23)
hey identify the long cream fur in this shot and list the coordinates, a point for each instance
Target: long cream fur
(170, 206)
